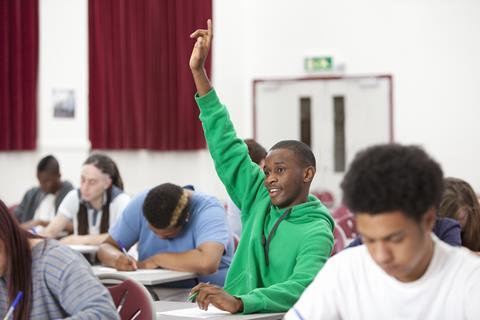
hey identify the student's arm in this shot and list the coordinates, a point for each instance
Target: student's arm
(33, 223)
(56, 226)
(110, 255)
(230, 154)
(202, 260)
(89, 239)
(63, 220)
(127, 230)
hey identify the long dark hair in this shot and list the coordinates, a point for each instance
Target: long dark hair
(107, 166)
(19, 262)
(459, 195)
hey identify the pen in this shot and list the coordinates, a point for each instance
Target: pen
(122, 247)
(122, 302)
(191, 298)
(136, 314)
(14, 304)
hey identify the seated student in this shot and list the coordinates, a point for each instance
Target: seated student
(459, 202)
(40, 204)
(447, 230)
(176, 228)
(257, 154)
(93, 207)
(403, 271)
(287, 234)
(56, 281)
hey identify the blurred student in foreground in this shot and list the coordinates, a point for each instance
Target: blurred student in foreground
(403, 271)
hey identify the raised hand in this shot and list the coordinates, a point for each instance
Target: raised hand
(201, 47)
(199, 55)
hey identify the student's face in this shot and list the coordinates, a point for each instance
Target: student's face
(285, 179)
(48, 181)
(3, 259)
(168, 233)
(398, 244)
(93, 183)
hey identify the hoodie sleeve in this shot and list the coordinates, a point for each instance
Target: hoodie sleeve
(242, 177)
(280, 297)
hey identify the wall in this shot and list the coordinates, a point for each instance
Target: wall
(430, 47)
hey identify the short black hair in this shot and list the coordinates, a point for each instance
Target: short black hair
(160, 204)
(48, 164)
(391, 177)
(255, 150)
(300, 149)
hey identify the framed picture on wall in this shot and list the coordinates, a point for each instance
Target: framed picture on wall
(63, 103)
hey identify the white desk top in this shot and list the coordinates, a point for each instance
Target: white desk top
(84, 248)
(149, 277)
(195, 313)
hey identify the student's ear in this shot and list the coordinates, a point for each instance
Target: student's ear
(308, 174)
(429, 219)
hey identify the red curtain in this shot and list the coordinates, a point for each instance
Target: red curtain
(140, 86)
(18, 74)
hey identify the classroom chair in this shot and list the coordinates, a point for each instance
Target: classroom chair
(339, 240)
(132, 299)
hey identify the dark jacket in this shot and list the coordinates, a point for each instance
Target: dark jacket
(32, 198)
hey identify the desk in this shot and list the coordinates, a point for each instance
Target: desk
(84, 248)
(149, 277)
(162, 306)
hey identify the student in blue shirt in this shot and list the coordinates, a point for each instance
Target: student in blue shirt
(176, 229)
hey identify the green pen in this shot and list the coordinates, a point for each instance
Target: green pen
(191, 298)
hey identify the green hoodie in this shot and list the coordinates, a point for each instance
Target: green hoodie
(300, 246)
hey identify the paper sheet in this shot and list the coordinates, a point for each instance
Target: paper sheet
(98, 270)
(212, 312)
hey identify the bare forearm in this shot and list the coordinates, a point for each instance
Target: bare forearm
(201, 81)
(108, 254)
(191, 261)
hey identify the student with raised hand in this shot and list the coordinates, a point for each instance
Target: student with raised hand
(95, 206)
(287, 233)
(404, 271)
(177, 229)
(459, 202)
(39, 205)
(56, 281)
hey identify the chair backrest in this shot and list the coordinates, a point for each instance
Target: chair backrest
(134, 298)
(340, 240)
(341, 212)
(349, 226)
(326, 197)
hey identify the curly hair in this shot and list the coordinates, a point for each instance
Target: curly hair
(166, 206)
(459, 195)
(391, 177)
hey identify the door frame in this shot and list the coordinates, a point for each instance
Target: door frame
(387, 77)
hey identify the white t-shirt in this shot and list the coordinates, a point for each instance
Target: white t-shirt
(352, 286)
(46, 209)
(70, 204)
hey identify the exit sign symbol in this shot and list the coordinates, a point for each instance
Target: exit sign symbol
(318, 63)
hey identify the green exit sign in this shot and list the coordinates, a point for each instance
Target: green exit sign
(319, 63)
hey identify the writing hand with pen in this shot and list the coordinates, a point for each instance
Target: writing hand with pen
(125, 262)
(205, 294)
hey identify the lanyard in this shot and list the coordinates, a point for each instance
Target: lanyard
(266, 241)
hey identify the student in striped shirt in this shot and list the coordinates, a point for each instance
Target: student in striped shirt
(56, 281)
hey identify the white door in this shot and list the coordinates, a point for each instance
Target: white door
(337, 117)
